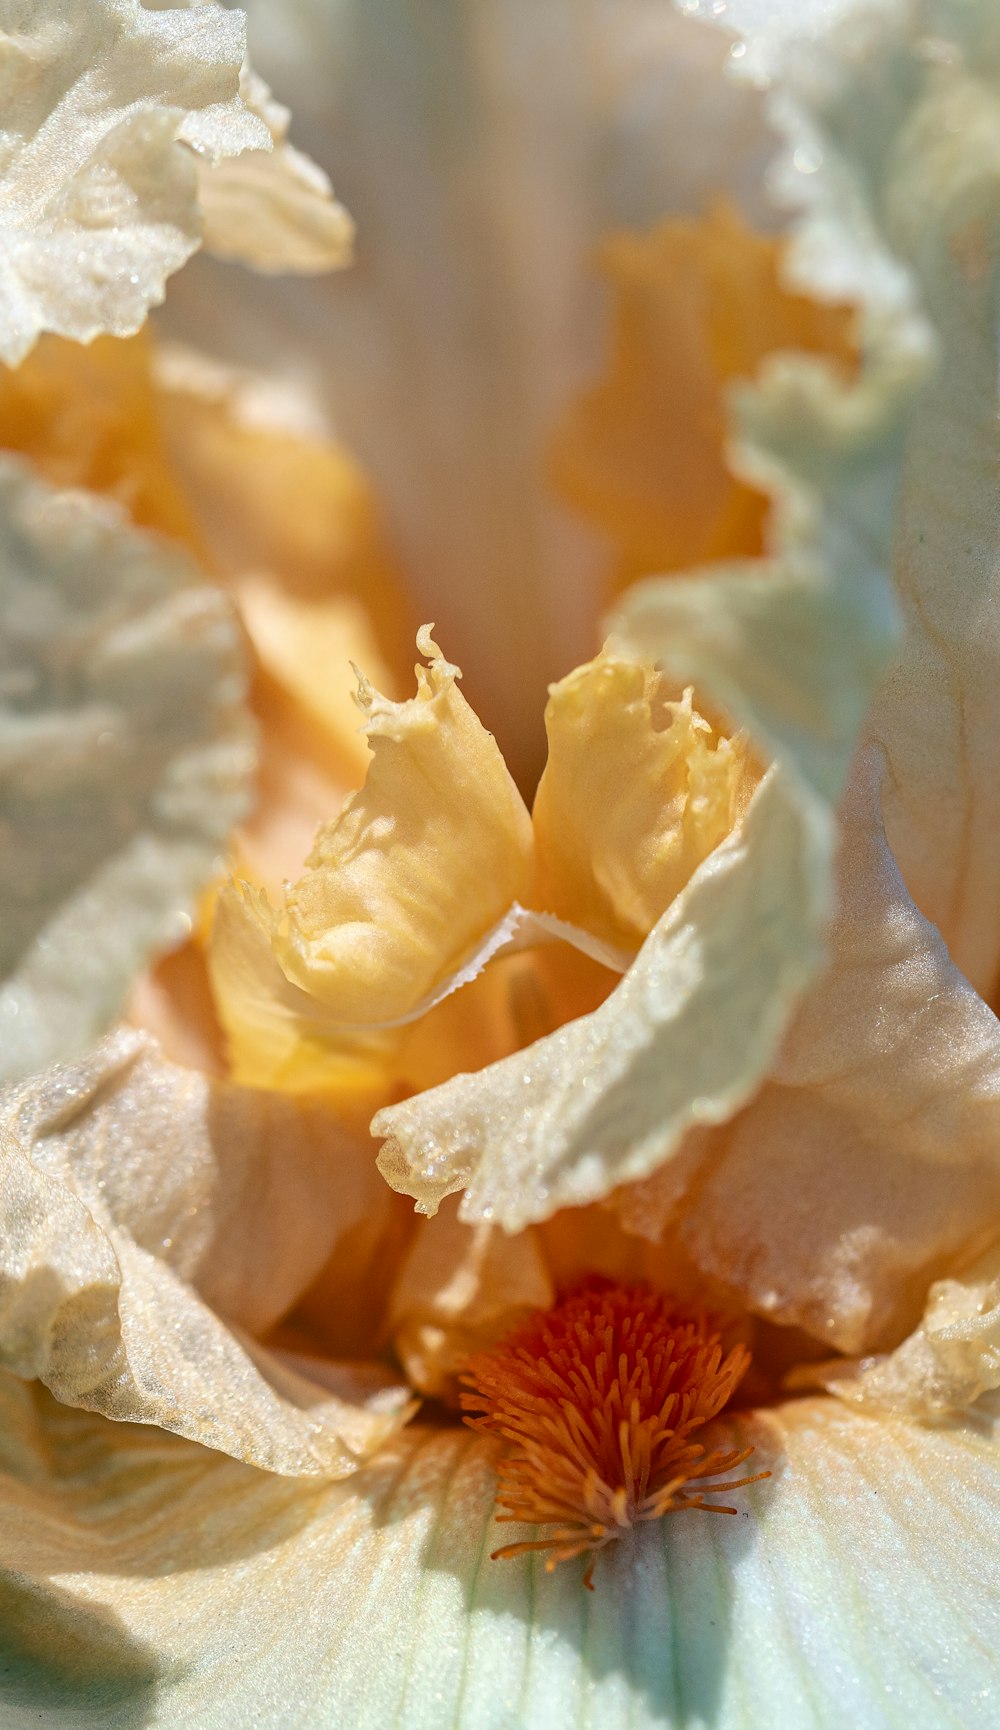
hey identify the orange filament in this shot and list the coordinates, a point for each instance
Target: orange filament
(600, 1397)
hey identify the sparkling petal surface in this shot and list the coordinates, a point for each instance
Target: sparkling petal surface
(854, 1591)
(149, 1216)
(100, 191)
(125, 758)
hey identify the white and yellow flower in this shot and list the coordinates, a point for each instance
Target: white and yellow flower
(678, 1032)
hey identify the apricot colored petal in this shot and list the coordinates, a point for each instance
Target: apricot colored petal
(152, 1216)
(614, 849)
(144, 1576)
(310, 647)
(106, 104)
(401, 888)
(126, 759)
(696, 306)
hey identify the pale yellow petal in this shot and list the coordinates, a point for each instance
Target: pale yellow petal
(103, 99)
(144, 1576)
(276, 1034)
(638, 789)
(150, 1217)
(402, 887)
(679, 1042)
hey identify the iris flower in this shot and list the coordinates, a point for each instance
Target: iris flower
(656, 953)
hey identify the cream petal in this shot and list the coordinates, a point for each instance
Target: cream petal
(105, 103)
(144, 1576)
(143, 1204)
(948, 1362)
(681, 1041)
(792, 647)
(273, 209)
(937, 713)
(870, 1162)
(125, 758)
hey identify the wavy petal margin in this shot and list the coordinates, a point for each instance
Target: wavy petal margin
(149, 1216)
(105, 105)
(170, 1587)
(126, 756)
(273, 209)
(792, 647)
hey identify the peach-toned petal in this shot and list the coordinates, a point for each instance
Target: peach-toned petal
(638, 789)
(458, 1290)
(402, 887)
(697, 306)
(870, 1163)
(87, 416)
(311, 647)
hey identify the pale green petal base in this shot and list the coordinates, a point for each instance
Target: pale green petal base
(858, 1588)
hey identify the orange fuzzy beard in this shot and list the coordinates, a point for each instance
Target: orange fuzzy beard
(600, 1396)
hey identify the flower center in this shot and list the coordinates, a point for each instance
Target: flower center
(600, 1397)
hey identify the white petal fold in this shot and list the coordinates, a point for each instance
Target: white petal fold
(273, 209)
(107, 106)
(151, 1582)
(126, 755)
(150, 1216)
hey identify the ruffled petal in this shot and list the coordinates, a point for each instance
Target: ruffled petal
(403, 886)
(273, 209)
(144, 1576)
(103, 99)
(936, 715)
(150, 1217)
(792, 647)
(613, 849)
(604, 1099)
(126, 759)
(871, 1161)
